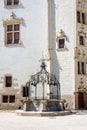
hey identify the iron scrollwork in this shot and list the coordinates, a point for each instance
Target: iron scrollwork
(43, 77)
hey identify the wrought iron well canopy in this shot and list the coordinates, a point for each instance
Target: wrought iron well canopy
(43, 77)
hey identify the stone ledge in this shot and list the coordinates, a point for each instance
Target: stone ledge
(33, 113)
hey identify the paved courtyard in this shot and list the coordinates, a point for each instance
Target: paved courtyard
(10, 121)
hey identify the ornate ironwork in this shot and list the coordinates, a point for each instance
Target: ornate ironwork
(43, 77)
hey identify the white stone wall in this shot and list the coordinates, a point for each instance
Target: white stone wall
(64, 64)
(22, 61)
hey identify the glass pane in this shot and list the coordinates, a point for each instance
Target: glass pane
(78, 16)
(8, 81)
(9, 2)
(9, 38)
(12, 99)
(25, 91)
(5, 99)
(79, 68)
(83, 18)
(61, 43)
(16, 27)
(9, 27)
(81, 40)
(16, 37)
(16, 2)
(83, 67)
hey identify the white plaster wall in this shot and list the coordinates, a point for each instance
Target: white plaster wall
(23, 61)
(64, 59)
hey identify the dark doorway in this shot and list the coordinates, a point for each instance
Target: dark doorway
(80, 100)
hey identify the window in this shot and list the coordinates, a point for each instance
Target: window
(9, 2)
(79, 71)
(78, 16)
(81, 67)
(11, 98)
(13, 34)
(61, 43)
(8, 98)
(81, 40)
(8, 81)
(83, 18)
(12, 30)
(12, 2)
(25, 91)
(5, 99)
(16, 2)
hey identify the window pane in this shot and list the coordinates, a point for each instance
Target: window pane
(78, 16)
(81, 40)
(16, 2)
(9, 38)
(79, 68)
(9, 27)
(83, 67)
(12, 99)
(83, 18)
(5, 99)
(16, 27)
(8, 81)
(9, 2)
(61, 43)
(16, 37)
(25, 91)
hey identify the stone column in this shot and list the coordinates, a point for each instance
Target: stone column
(51, 34)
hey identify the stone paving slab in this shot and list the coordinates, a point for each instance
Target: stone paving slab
(9, 120)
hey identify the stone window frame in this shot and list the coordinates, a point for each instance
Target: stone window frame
(81, 17)
(9, 100)
(12, 21)
(60, 38)
(12, 5)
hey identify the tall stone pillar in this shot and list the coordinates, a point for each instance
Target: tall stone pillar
(51, 36)
(51, 32)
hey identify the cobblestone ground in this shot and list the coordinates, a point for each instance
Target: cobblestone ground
(10, 121)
